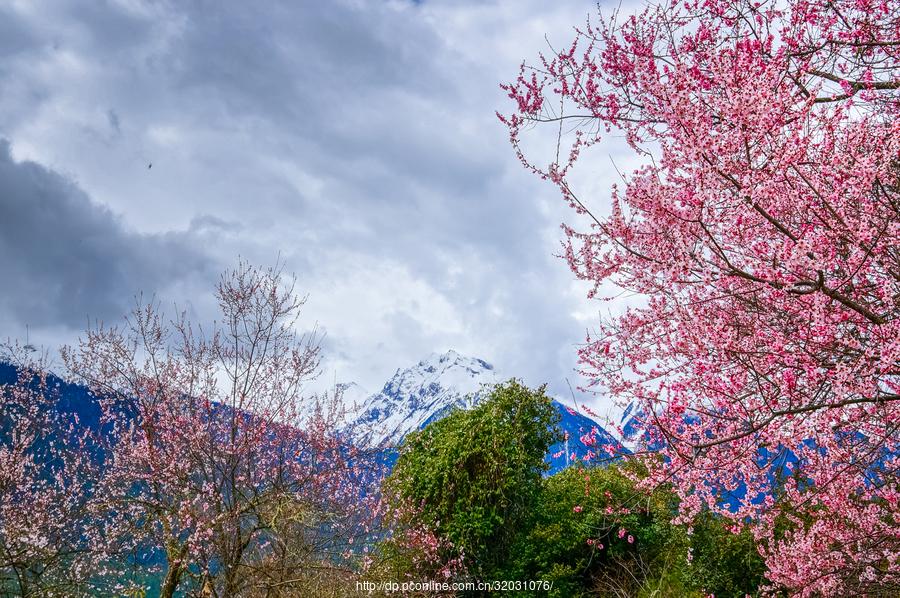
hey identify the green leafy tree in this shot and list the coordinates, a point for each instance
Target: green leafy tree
(593, 533)
(471, 486)
(476, 475)
(725, 563)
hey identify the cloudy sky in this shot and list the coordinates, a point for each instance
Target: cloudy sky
(355, 139)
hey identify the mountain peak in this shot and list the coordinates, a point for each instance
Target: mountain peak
(452, 358)
(420, 394)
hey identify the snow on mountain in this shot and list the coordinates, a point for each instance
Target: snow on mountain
(630, 423)
(438, 384)
(411, 399)
(416, 396)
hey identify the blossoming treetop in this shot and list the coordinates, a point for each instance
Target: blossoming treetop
(762, 229)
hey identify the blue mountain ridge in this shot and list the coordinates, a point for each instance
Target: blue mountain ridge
(415, 397)
(72, 399)
(428, 391)
(421, 394)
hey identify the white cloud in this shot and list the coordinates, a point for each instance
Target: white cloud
(355, 139)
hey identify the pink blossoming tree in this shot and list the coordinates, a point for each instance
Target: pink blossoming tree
(762, 232)
(45, 477)
(221, 466)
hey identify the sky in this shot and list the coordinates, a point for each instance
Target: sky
(354, 141)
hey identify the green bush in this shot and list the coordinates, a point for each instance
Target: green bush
(476, 478)
(573, 535)
(726, 564)
(477, 473)
(581, 509)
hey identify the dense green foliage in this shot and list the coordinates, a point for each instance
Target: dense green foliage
(476, 478)
(579, 533)
(478, 472)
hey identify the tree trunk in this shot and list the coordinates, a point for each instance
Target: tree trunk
(173, 575)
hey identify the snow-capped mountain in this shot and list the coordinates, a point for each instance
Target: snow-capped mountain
(432, 388)
(630, 424)
(411, 399)
(421, 394)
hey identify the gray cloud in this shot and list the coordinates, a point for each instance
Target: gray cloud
(355, 139)
(63, 258)
(14, 33)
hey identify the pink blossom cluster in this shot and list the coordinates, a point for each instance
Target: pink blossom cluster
(45, 470)
(761, 232)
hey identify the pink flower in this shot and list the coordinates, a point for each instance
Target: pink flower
(759, 226)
